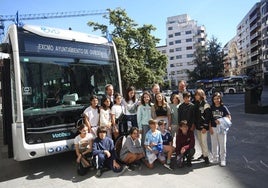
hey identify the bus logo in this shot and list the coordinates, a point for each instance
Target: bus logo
(60, 135)
(27, 90)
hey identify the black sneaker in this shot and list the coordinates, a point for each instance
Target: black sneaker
(188, 163)
(206, 160)
(201, 157)
(98, 174)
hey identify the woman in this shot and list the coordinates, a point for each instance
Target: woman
(161, 110)
(132, 151)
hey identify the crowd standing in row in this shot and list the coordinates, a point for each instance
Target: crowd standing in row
(165, 128)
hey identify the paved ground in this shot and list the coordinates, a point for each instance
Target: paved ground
(247, 163)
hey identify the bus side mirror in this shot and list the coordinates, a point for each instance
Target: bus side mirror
(5, 48)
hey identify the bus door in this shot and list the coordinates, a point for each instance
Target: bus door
(7, 106)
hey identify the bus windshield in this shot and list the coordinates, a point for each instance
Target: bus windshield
(49, 82)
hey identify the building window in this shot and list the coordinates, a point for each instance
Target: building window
(190, 63)
(188, 32)
(189, 48)
(171, 43)
(177, 33)
(189, 55)
(170, 28)
(179, 64)
(171, 50)
(178, 56)
(177, 41)
(172, 65)
(178, 49)
(170, 36)
(164, 51)
(171, 58)
(189, 40)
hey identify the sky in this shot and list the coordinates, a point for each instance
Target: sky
(220, 17)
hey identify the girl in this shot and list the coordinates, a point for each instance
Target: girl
(132, 151)
(218, 139)
(202, 117)
(105, 115)
(161, 110)
(91, 115)
(83, 146)
(116, 111)
(144, 114)
(130, 103)
(174, 105)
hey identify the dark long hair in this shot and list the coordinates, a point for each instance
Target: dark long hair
(216, 94)
(142, 98)
(131, 88)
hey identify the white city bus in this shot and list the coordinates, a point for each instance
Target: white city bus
(227, 85)
(46, 85)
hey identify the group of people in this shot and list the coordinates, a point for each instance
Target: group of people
(154, 129)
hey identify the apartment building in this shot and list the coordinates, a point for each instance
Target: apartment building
(182, 36)
(252, 41)
(231, 58)
(264, 35)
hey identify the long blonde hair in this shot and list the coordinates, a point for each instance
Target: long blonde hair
(164, 103)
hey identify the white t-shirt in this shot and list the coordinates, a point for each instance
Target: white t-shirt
(92, 115)
(105, 117)
(117, 110)
(83, 143)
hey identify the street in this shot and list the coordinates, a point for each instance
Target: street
(247, 163)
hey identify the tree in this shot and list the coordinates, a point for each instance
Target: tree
(140, 62)
(214, 56)
(208, 61)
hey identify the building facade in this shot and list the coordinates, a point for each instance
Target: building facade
(252, 41)
(264, 41)
(182, 36)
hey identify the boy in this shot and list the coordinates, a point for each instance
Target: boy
(186, 110)
(104, 153)
(153, 143)
(167, 143)
(185, 142)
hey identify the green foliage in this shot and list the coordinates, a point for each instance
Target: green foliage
(140, 62)
(208, 61)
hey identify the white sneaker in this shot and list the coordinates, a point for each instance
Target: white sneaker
(223, 163)
(214, 161)
(167, 166)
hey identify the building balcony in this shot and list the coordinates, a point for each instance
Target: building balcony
(254, 17)
(255, 44)
(256, 25)
(257, 34)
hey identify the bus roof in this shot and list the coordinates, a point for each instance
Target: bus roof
(65, 34)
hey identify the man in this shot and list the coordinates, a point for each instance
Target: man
(155, 90)
(181, 89)
(109, 91)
